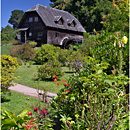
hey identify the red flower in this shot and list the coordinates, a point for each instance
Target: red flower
(55, 77)
(62, 80)
(57, 83)
(65, 80)
(55, 80)
(29, 113)
(67, 91)
(43, 111)
(27, 127)
(66, 85)
(35, 109)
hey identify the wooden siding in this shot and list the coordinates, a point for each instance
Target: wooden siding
(35, 28)
(56, 36)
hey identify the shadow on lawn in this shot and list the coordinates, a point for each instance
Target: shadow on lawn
(4, 99)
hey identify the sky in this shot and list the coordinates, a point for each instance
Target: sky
(9, 5)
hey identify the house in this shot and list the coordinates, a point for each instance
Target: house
(49, 25)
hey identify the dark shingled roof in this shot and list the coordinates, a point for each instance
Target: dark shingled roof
(50, 15)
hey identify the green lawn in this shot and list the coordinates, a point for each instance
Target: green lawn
(27, 74)
(5, 50)
(17, 102)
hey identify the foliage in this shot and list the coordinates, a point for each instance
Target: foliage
(102, 48)
(9, 120)
(33, 44)
(40, 119)
(15, 42)
(8, 34)
(46, 53)
(8, 68)
(48, 70)
(118, 18)
(93, 99)
(24, 52)
(15, 18)
(89, 13)
(76, 61)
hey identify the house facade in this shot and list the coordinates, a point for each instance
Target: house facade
(49, 25)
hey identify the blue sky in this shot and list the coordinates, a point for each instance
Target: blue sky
(9, 5)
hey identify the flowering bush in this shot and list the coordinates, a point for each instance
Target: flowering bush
(48, 70)
(93, 99)
(8, 68)
(104, 50)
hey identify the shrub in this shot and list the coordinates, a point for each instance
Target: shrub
(48, 70)
(8, 67)
(24, 52)
(93, 99)
(33, 44)
(14, 42)
(46, 53)
(102, 48)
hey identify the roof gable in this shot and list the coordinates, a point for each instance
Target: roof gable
(51, 17)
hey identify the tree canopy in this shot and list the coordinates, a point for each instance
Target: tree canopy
(89, 13)
(15, 17)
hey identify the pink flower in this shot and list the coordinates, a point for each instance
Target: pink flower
(57, 83)
(35, 109)
(55, 80)
(43, 111)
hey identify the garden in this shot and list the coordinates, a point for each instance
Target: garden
(91, 81)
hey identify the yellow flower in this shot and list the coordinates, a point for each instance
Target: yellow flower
(121, 93)
(125, 39)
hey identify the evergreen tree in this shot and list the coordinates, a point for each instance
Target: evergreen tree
(16, 17)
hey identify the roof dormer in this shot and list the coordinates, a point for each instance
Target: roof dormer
(58, 20)
(71, 22)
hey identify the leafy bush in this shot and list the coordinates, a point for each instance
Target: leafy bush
(8, 67)
(93, 99)
(102, 48)
(24, 52)
(33, 44)
(9, 120)
(46, 53)
(14, 42)
(48, 70)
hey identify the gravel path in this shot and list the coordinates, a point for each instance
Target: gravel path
(30, 91)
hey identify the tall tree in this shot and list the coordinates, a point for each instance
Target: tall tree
(88, 12)
(118, 18)
(16, 17)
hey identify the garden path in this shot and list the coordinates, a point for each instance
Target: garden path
(30, 91)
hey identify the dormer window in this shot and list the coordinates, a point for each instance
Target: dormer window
(71, 22)
(58, 20)
(30, 19)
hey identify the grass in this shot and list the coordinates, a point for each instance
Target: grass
(27, 74)
(17, 102)
(5, 50)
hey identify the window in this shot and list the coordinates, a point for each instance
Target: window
(56, 34)
(36, 19)
(30, 19)
(30, 34)
(40, 34)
